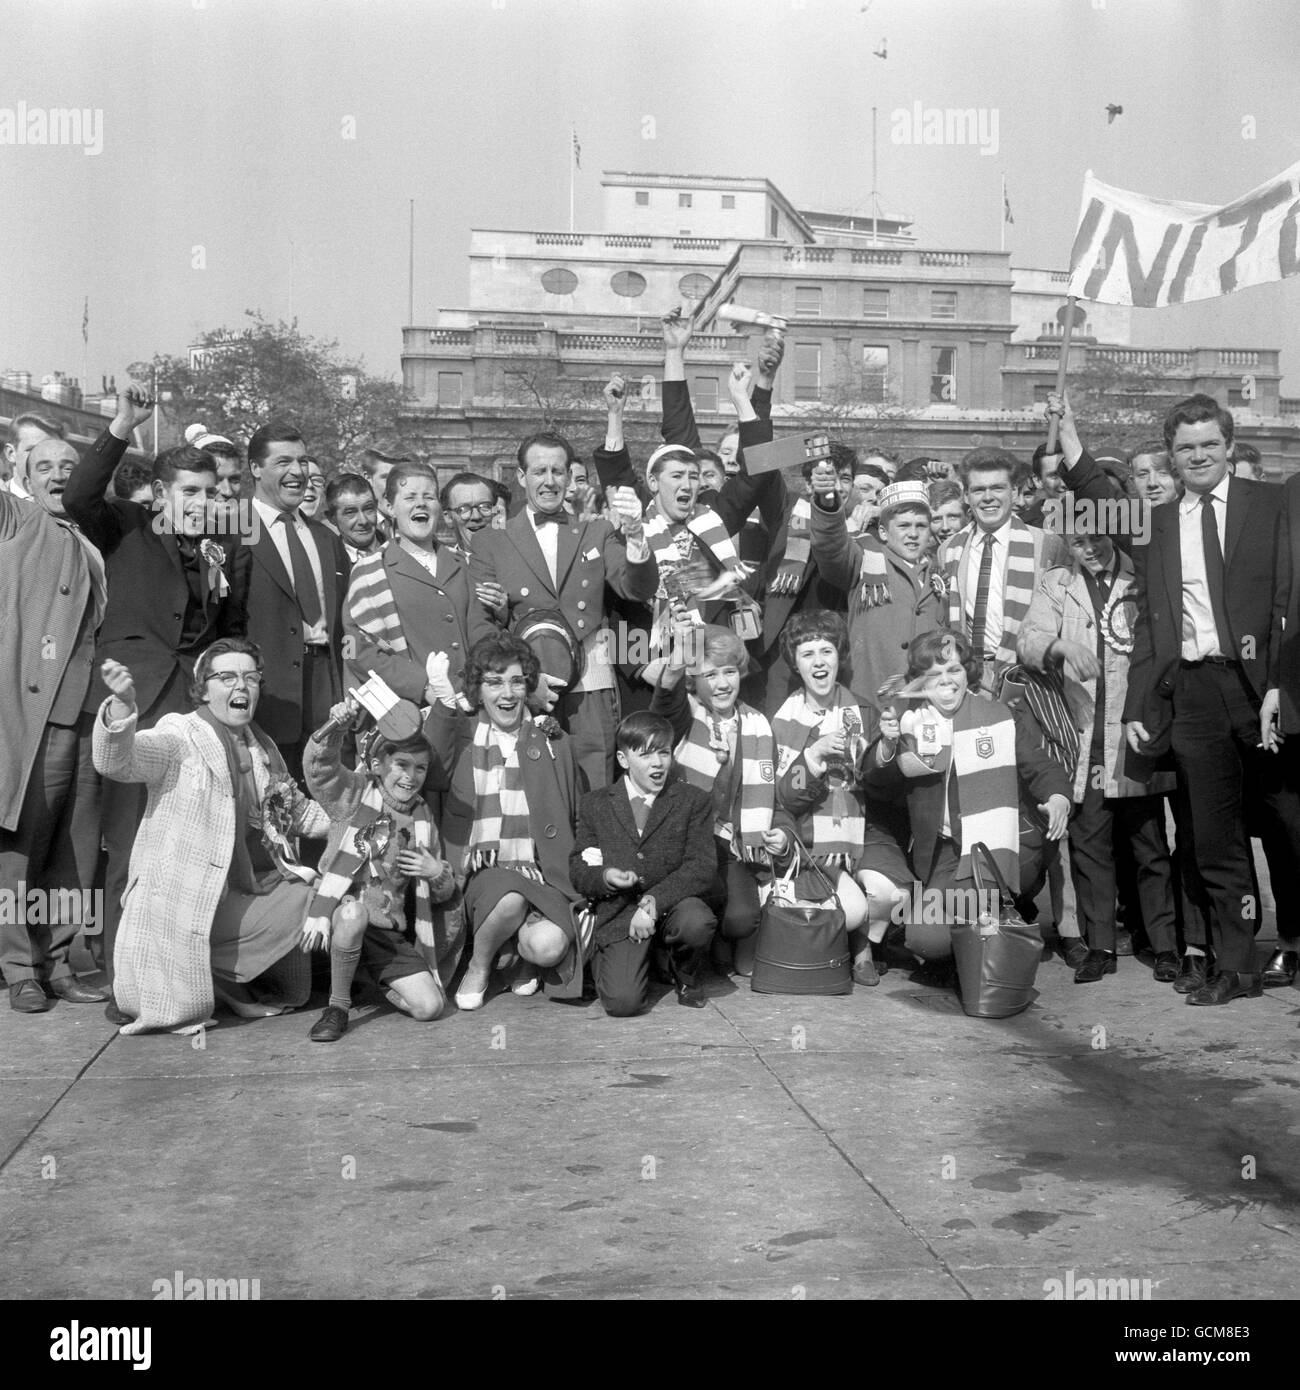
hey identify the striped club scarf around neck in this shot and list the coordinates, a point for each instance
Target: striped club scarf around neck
(699, 766)
(500, 835)
(371, 604)
(838, 824)
(1018, 583)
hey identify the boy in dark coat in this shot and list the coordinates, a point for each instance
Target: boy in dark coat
(644, 856)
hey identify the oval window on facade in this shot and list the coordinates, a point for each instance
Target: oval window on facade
(628, 284)
(559, 281)
(694, 286)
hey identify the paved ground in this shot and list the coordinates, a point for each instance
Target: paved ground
(878, 1145)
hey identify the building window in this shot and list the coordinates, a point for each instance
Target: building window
(807, 371)
(683, 200)
(694, 286)
(706, 393)
(773, 224)
(943, 375)
(875, 374)
(559, 281)
(449, 390)
(642, 198)
(875, 303)
(943, 304)
(808, 301)
(728, 201)
(627, 284)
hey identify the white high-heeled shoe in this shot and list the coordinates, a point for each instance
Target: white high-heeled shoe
(469, 999)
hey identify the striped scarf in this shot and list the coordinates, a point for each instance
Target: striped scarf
(798, 549)
(500, 834)
(1018, 583)
(708, 529)
(351, 863)
(1044, 694)
(699, 766)
(873, 573)
(984, 764)
(837, 827)
(798, 540)
(371, 604)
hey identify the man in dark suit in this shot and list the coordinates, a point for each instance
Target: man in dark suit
(547, 559)
(1211, 590)
(297, 584)
(644, 856)
(172, 591)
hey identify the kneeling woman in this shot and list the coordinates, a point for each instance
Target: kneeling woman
(216, 898)
(726, 748)
(960, 760)
(501, 777)
(821, 734)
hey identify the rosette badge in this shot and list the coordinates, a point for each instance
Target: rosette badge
(214, 557)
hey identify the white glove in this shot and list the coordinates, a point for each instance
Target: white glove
(437, 672)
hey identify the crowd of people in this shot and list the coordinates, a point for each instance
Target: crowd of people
(621, 699)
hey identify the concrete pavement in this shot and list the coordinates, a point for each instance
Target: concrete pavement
(876, 1145)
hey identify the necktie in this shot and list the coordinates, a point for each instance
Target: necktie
(640, 813)
(982, 596)
(1214, 575)
(304, 581)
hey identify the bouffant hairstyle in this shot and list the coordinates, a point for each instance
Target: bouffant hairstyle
(821, 625)
(719, 646)
(495, 654)
(938, 648)
(1196, 410)
(223, 646)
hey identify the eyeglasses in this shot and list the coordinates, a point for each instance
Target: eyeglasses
(469, 509)
(230, 679)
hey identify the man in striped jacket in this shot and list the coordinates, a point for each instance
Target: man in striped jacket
(993, 565)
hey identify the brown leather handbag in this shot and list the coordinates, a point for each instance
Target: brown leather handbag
(997, 955)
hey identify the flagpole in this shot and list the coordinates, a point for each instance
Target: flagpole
(410, 272)
(1061, 367)
(573, 148)
(85, 351)
(1003, 243)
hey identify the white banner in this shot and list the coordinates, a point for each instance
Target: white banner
(1149, 252)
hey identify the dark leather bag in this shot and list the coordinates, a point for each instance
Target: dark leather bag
(997, 955)
(802, 945)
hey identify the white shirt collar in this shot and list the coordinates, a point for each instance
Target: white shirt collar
(647, 797)
(1191, 500)
(270, 515)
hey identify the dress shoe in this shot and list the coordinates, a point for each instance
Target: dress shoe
(1193, 974)
(330, 1026)
(72, 991)
(1095, 965)
(1227, 985)
(1123, 943)
(864, 970)
(1165, 970)
(1282, 966)
(27, 997)
(691, 995)
(1075, 952)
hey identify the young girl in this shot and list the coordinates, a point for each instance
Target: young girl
(509, 790)
(725, 748)
(822, 734)
(381, 840)
(957, 757)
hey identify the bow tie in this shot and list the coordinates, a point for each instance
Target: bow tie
(541, 519)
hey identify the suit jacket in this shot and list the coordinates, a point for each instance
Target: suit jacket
(1288, 671)
(45, 588)
(437, 612)
(1255, 573)
(147, 589)
(674, 856)
(275, 624)
(590, 554)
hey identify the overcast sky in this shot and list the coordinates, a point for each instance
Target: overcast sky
(224, 124)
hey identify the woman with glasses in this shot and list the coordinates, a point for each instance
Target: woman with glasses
(216, 895)
(411, 600)
(508, 787)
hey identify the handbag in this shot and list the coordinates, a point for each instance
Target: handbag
(997, 955)
(802, 947)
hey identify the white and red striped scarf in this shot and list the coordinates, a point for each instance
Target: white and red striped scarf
(756, 747)
(350, 864)
(1018, 583)
(873, 575)
(988, 789)
(839, 824)
(501, 834)
(371, 605)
